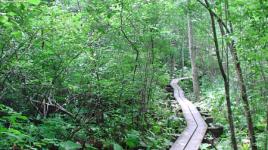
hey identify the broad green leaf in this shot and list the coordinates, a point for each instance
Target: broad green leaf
(3, 19)
(35, 2)
(17, 34)
(132, 139)
(117, 147)
(12, 13)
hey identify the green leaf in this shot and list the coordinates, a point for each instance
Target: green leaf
(132, 139)
(69, 145)
(11, 13)
(156, 129)
(3, 19)
(117, 147)
(17, 34)
(35, 2)
(90, 147)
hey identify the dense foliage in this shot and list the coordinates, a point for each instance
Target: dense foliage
(91, 74)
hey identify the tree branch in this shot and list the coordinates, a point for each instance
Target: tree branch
(220, 21)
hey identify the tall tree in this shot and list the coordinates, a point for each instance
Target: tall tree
(192, 52)
(226, 82)
(242, 84)
(243, 90)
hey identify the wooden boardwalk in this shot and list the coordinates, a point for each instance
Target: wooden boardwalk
(191, 138)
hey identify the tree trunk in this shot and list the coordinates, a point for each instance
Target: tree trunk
(192, 56)
(226, 84)
(263, 75)
(243, 90)
(182, 60)
(172, 66)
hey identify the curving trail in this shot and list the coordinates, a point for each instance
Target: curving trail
(191, 138)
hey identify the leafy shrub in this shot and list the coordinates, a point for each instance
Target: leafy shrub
(132, 138)
(16, 131)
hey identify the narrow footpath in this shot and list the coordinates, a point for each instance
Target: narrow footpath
(191, 138)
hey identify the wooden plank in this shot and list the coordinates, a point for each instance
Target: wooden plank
(199, 134)
(194, 133)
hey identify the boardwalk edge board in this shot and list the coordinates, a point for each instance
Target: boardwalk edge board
(192, 136)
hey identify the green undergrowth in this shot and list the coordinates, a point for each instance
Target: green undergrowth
(18, 131)
(213, 101)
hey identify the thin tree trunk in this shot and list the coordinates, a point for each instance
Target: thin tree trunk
(226, 84)
(132, 44)
(243, 92)
(192, 56)
(265, 95)
(265, 80)
(182, 60)
(266, 136)
(172, 66)
(243, 89)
